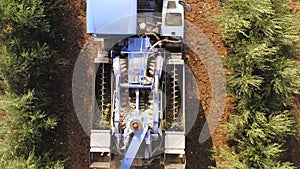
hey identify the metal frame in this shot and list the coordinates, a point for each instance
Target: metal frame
(173, 142)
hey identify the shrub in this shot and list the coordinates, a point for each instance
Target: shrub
(28, 62)
(263, 40)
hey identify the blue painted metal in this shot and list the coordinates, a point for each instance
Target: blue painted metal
(159, 65)
(117, 17)
(136, 68)
(138, 44)
(133, 148)
(137, 51)
(136, 61)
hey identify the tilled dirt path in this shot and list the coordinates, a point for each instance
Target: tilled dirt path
(70, 135)
(75, 142)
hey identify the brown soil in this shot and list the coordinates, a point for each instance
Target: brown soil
(201, 16)
(74, 142)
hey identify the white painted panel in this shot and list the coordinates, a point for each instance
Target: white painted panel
(174, 142)
(100, 141)
(113, 17)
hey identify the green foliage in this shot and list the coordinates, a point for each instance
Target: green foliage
(263, 40)
(22, 124)
(28, 62)
(28, 59)
(21, 129)
(28, 69)
(22, 20)
(250, 158)
(14, 162)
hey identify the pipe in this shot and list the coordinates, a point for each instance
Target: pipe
(137, 99)
(117, 72)
(150, 33)
(153, 46)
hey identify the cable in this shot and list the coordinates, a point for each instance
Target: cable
(153, 46)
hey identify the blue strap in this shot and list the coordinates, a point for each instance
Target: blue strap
(133, 148)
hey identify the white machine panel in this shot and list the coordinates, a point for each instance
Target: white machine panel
(174, 142)
(172, 19)
(100, 141)
(113, 17)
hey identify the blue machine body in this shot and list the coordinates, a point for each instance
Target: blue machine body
(138, 52)
(137, 49)
(137, 71)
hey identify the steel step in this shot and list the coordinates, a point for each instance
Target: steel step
(97, 165)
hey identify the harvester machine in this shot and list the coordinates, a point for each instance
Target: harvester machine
(139, 83)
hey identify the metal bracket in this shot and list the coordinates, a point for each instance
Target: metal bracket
(183, 3)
